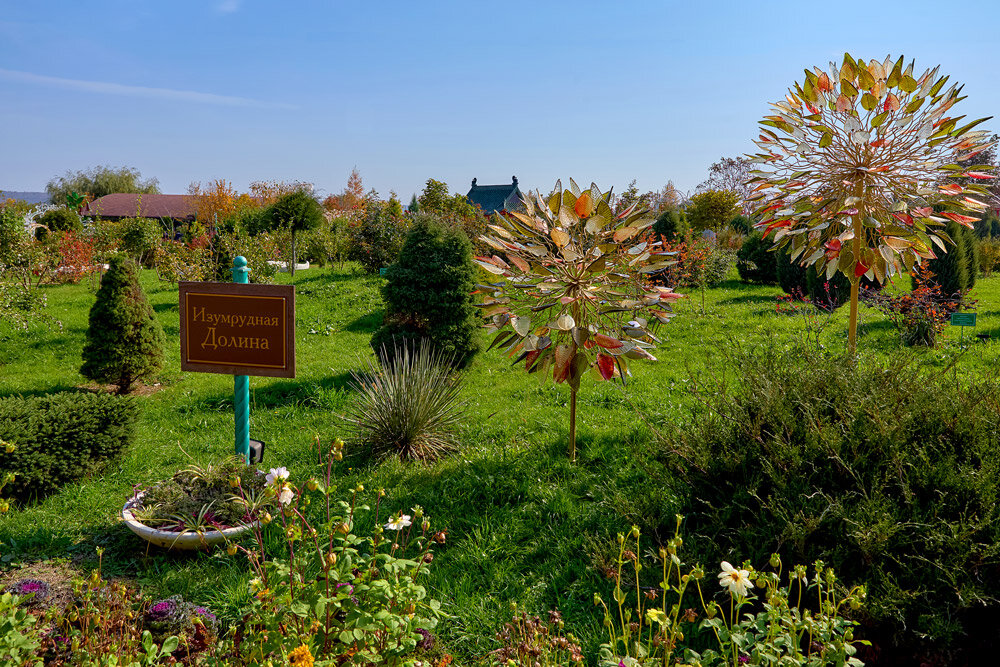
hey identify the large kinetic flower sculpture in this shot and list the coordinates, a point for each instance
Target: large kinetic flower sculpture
(859, 170)
(575, 295)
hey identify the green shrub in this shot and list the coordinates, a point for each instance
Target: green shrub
(377, 237)
(410, 407)
(672, 225)
(58, 220)
(791, 275)
(989, 256)
(124, 340)
(428, 294)
(755, 261)
(258, 250)
(61, 437)
(742, 224)
(951, 268)
(888, 474)
(139, 238)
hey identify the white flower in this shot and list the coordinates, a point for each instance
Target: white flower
(398, 523)
(276, 474)
(285, 495)
(738, 581)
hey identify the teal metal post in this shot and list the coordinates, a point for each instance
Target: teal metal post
(241, 383)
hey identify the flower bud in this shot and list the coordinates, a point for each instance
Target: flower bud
(331, 559)
(266, 519)
(426, 525)
(381, 493)
(231, 550)
(312, 484)
(338, 456)
(635, 532)
(418, 512)
(9, 447)
(360, 488)
(775, 560)
(234, 481)
(597, 599)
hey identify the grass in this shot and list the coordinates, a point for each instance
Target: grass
(524, 525)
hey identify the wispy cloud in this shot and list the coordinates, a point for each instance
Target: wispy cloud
(105, 88)
(228, 6)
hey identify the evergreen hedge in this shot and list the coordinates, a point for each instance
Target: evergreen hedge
(889, 474)
(61, 437)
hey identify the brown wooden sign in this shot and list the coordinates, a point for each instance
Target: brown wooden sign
(238, 329)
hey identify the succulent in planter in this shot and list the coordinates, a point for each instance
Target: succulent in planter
(202, 499)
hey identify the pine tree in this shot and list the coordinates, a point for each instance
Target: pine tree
(951, 268)
(124, 340)
(428, 293)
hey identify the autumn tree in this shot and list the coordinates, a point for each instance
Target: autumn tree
(350, 198)
(853, 168)
(97, 182)
(219, 200)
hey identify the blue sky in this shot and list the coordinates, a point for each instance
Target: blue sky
(405, 91)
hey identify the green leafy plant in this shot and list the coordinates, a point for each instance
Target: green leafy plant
(408, 407)
(124, 340)
(334, 594)
(852, 164)
(18, 641)
(795, 619)
(574, 296)
(428, 294)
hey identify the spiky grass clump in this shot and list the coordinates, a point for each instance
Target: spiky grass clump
(408, 407)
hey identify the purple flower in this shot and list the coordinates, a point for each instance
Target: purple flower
(427, 643)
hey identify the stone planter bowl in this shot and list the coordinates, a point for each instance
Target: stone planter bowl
(169, 539)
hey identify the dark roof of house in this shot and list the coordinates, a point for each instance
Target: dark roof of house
(122, 205)
(494, 198)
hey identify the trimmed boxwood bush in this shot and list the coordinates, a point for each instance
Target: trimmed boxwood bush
(58, 220)
(755, 261)
(890, 474)
(61, 437)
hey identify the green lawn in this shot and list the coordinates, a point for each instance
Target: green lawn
(524, 525)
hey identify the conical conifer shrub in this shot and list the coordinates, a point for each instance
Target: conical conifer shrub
(124, 340)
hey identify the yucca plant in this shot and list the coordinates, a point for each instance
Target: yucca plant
(410, 406)
(576, 293)
(859, 167)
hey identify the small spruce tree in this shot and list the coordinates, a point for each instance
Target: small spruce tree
(428, 294)
(951, 268)
(124, 340)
